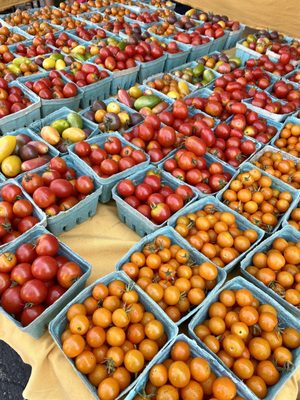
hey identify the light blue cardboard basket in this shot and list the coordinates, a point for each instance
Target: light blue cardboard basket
(242, 223)
(23, 117)
(196, 257)
(285, 320)
(276, 184)
(108, 183)
(147, 69)
(58, 324)
(134, 219)
(62, 114)
(37, 212)
(291, 235)
(85, 209)
(49, 106)
(37, 327)
(234, 37)
(196, 351)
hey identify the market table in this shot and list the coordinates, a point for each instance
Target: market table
(102, 241)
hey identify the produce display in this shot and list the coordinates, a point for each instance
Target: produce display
(153, 198)
(16, 214)
(111, 158)
(168, 274)
(58, 188)
(215, 234)
(255, 195)
(278, 269)
(185, 375)
(251, 345)
(118, 345)
(135, 102)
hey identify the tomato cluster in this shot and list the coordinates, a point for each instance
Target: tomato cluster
(215, 234)
(294, 218)
(252, 195)
(154, 139)
(111, 158)
(184, 376)
(12, 99)
(52, 88)
(153, 198)
(111, 337)
(16, 213)
(188, 167)
(33, 277)
(285, 91)
(193, 38)
(58, 188)
(244, 334)
(230, 145)
(213, 30)
(280, 68)
(236, 90)
(165, 271)
(264, 101)
(244, 76)
(278, 269)
(274, 163)
(84, 74)
(288, 140)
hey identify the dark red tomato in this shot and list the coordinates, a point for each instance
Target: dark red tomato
(186, 129)
(54, 293)
(6, 210)
(84, 184)
(170, 165)
(155, 198)
(21, 273)
(11, 193)
(11, 300)
(82, 149)
(145, 210)
(222, 131)
(248, 147)
(179, 174)
(10, 236)
(126, 163)
(61, 188)
(47, 245)
(143, 191)
(68, 274)
(109, 167)
(180, 109)
(207, 135)
(201, 163)
(44, 197)
(187, 161)
(146, 132)
(33, 291)
(217, 153)
(4, 282)
(27, 223)
(26, 253)
(126, 151)
(97, 156)
(139, 156)
(58, 164)
(70, 89)
(233, 153)
(156, 155)
(61, 260)
(70, 174)
(175, 202)
(166, 137)
(31, 182)
(126, 188)
(160, 213)
(167, 118)
(233, 142)
(154, 181)
(29, 314)
(22, 208)
(44, 268)
(132, 201)
(217, 182)
(5, 226)
(193, 176)
(195, 145)
(185, 192)
(215, 168)
(50, 176)
(166, 191)
(113, 145)
(153, 120)
(220, 144)
(204, 188)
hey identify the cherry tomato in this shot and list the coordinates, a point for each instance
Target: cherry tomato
(33, 291)
(84, 185)
(47, 245)
(11, 300)
(26, 253)
(68, 274)
(44, 268)
(22, 208)
(29, 314)
(54, 293)
(11, 193)
(21, 273)
(44, 197)
(4, 282)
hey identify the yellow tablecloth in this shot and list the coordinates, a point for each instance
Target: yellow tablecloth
(102, 241)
